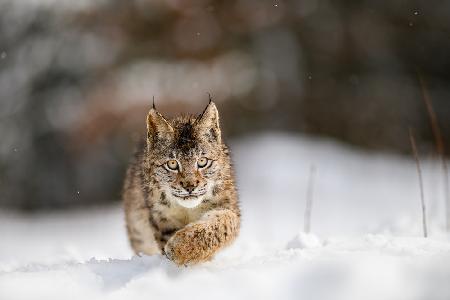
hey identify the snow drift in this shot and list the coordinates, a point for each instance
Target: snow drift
(366, 241)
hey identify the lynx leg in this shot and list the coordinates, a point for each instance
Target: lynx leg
(141, 233)
(199, 241)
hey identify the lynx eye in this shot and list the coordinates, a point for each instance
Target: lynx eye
(172, 164)
(202, 162)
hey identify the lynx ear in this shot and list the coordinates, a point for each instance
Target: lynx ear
(158, 128)
(208, 123)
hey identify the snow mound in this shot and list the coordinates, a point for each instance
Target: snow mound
(304, 240)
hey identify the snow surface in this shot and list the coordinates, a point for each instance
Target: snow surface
(365, 243)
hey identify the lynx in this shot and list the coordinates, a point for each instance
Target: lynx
(179, 193)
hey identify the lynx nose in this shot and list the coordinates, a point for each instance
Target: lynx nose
(189, 186)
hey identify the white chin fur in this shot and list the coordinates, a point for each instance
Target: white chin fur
(189, 203)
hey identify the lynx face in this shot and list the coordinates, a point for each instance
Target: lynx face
(186, 153)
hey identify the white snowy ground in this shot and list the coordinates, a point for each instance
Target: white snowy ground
(366, 242)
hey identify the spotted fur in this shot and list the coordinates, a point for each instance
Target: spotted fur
(190, 213)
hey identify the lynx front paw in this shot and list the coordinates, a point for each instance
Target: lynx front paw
(187, 247)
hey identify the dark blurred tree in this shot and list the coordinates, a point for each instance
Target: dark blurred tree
(70, 111)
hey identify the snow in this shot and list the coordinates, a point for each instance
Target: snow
(304, 240)
(365, 240)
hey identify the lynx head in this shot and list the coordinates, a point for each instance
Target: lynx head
(189, 159)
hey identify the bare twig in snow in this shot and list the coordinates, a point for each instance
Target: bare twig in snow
(309, 199)
(439, 146)
(419, 172)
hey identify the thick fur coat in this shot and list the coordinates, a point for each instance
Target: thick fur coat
(179, 193)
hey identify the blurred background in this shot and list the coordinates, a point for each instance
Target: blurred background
(77, 79)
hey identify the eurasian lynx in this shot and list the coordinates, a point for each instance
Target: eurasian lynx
(179, 194)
